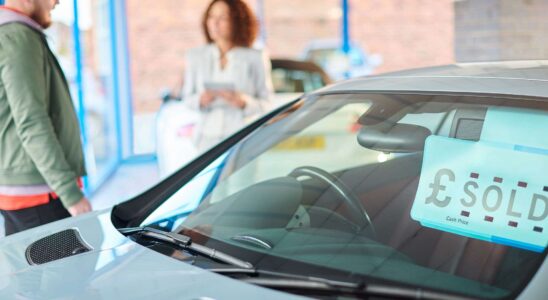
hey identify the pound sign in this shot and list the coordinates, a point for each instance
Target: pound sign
(437, 187)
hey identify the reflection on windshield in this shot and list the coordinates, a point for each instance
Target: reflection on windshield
(188, 198)
(333, 184)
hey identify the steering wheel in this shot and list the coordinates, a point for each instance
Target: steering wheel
(358, 213)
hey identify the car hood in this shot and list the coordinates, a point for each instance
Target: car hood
(116, 268)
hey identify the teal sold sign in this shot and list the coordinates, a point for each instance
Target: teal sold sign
(490, 191)
(495, 189)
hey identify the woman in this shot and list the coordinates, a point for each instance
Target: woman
(226, 80)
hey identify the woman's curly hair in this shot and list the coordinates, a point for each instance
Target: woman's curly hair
(244, 23)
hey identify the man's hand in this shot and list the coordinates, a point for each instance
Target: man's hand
(82, 207)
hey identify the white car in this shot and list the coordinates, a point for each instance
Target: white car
(458, 210)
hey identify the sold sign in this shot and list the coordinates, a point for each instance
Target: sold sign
(489, 191)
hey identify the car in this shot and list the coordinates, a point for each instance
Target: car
(329, 55)
(291, 78)
(456, 208)
(175, 122)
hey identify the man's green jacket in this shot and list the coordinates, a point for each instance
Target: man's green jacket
(39, 132)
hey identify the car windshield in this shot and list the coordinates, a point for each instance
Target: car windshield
(430, 191)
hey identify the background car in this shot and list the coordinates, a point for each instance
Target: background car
(339, 65)
(458, 211)
(292, 78)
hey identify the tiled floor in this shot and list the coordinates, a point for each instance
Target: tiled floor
(128, 181)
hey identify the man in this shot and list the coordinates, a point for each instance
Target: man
(41, 157)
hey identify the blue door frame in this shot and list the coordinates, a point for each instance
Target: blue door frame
(345, 32)
(114, 162)
(79, 84)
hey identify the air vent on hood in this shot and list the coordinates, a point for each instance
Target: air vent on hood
(56, 246)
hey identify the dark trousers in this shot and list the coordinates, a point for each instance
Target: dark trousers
(22, 219)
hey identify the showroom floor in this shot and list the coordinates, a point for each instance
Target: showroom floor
(128, 181)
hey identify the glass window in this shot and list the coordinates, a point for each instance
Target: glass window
(436, 192)
(99, 96)
(92, 52)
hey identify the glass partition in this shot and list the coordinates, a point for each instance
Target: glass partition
(85, 54)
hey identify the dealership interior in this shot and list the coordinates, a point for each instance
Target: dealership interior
(123, 60)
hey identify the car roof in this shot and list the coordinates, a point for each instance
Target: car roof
(512, 78)
(293, 64)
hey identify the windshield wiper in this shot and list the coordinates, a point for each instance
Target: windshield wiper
(185, 242)
(317, 285)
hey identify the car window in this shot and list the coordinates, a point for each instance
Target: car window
(438, 192)
(296, 81)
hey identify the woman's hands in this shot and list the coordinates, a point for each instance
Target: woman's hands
(235, 99)
(206, 98)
